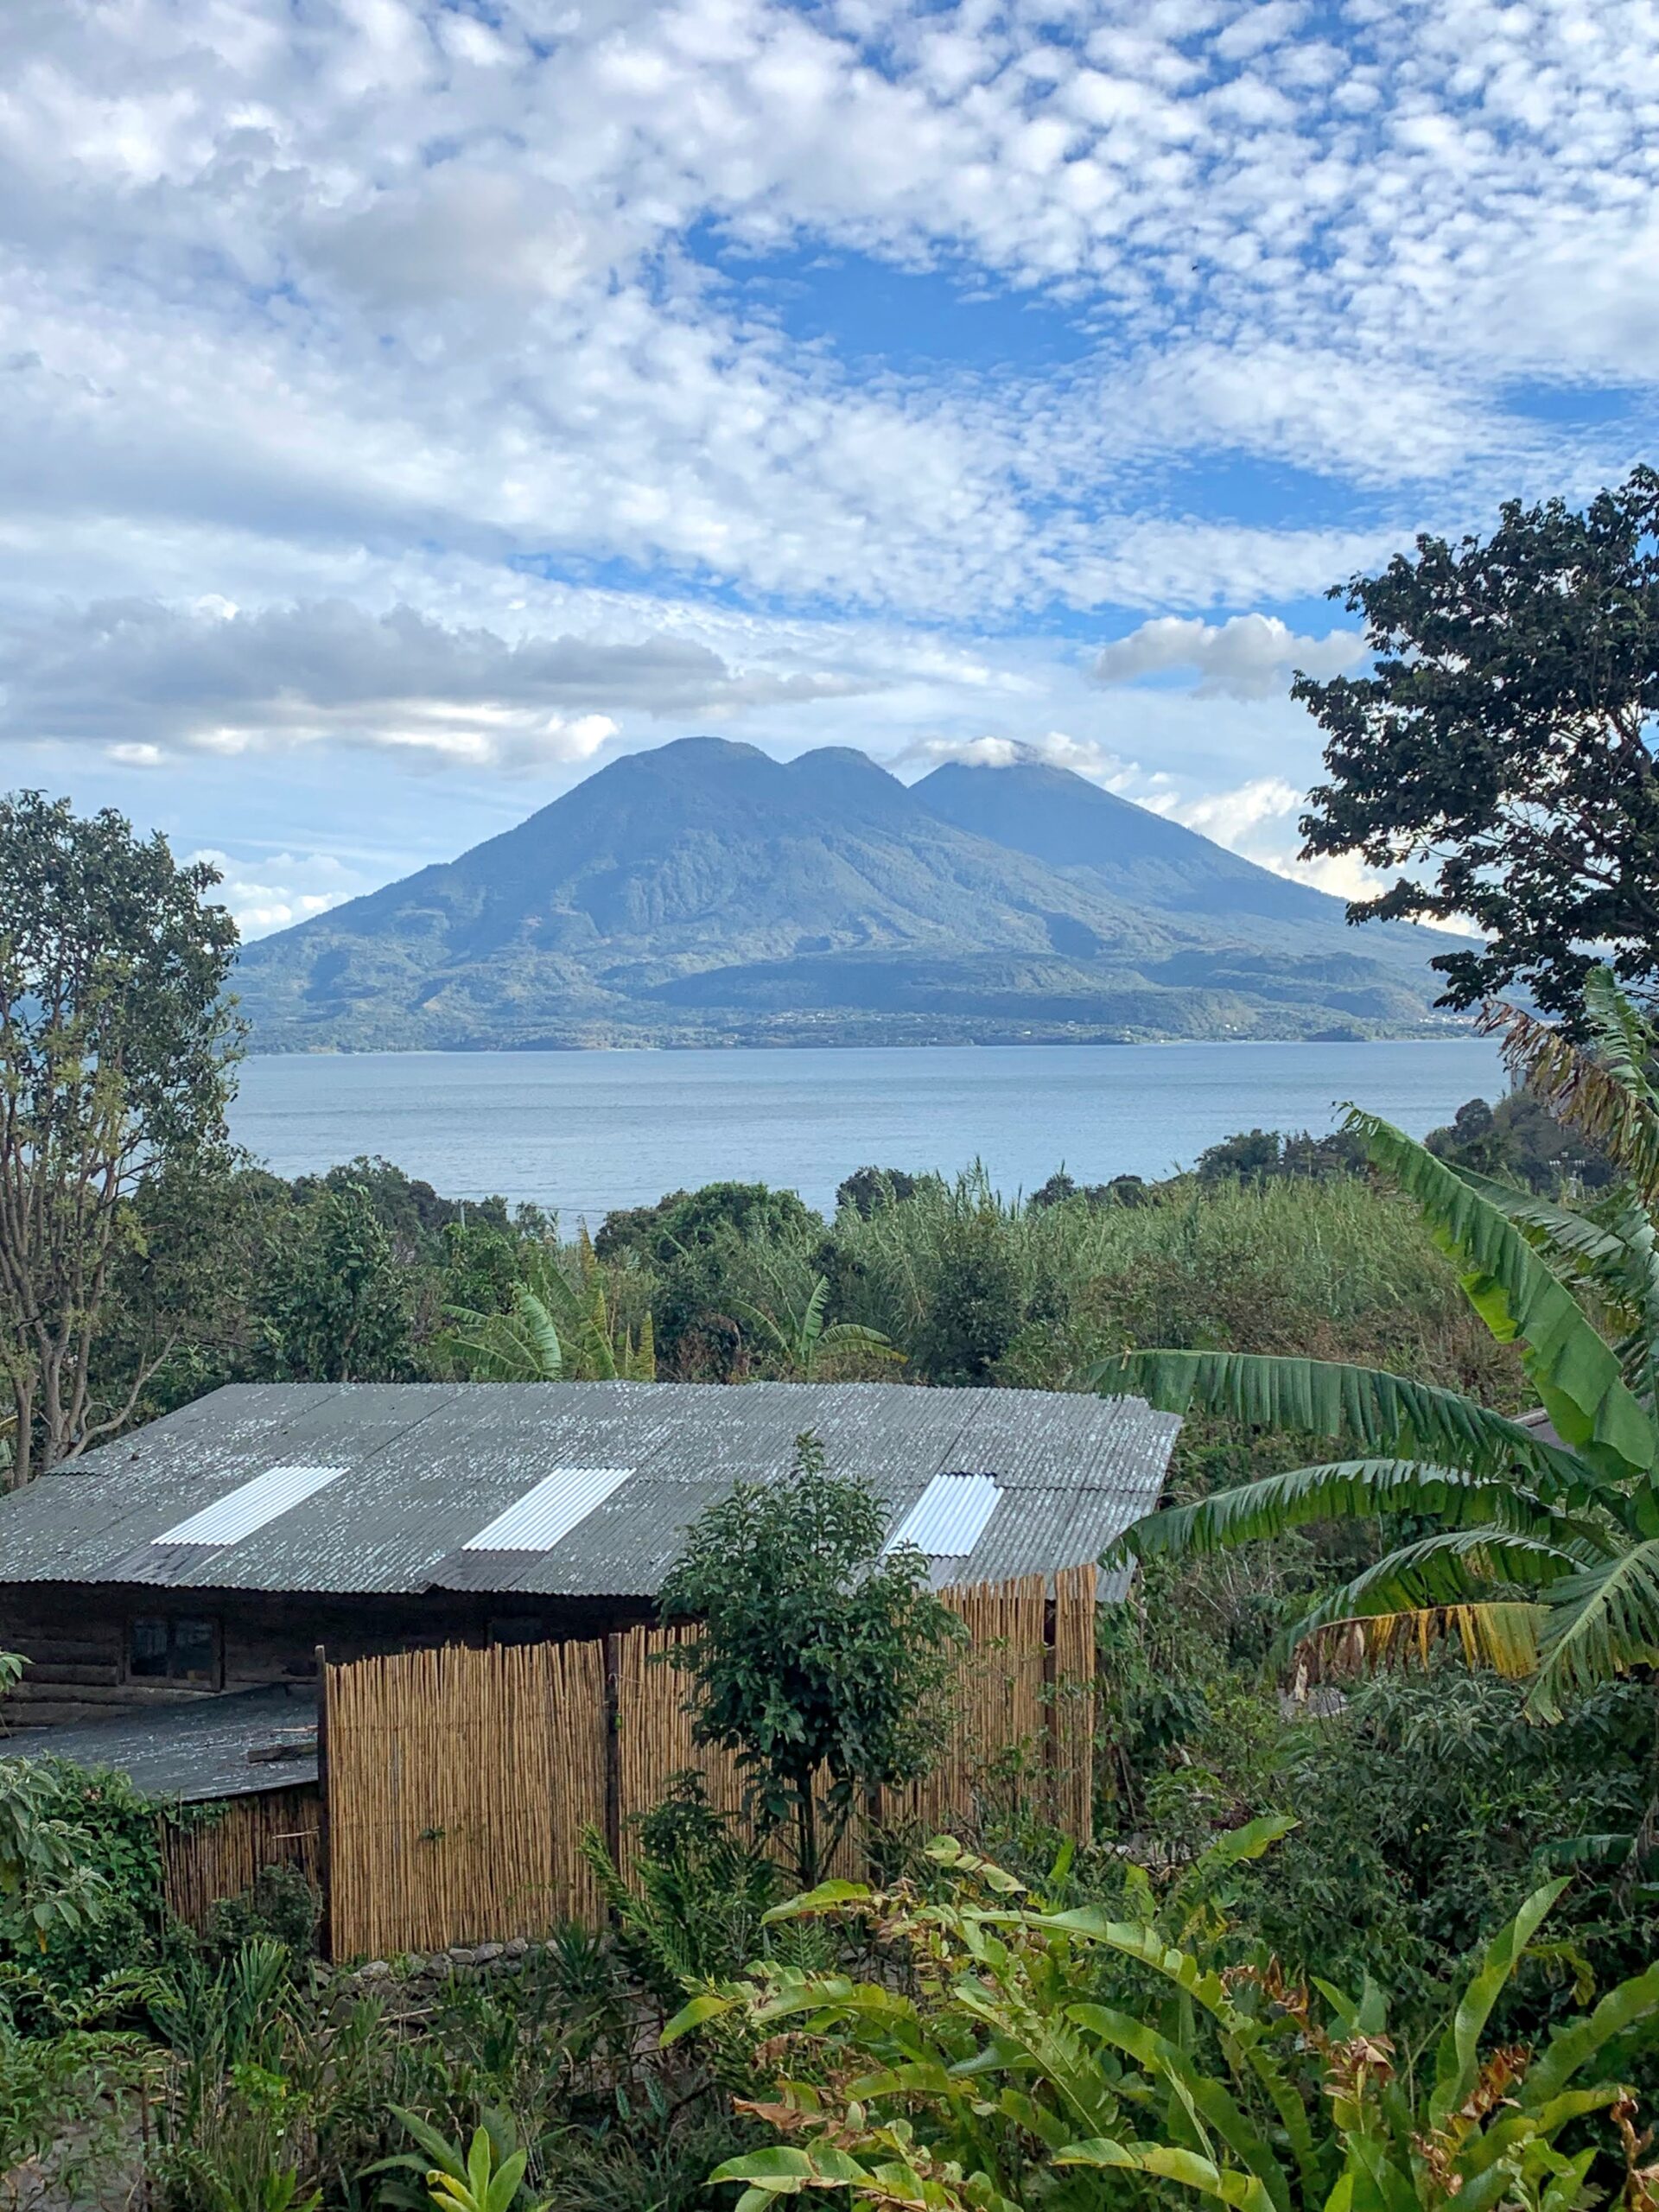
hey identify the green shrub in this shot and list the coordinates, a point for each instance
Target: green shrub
(1014, 2055)
(109, 1833)
(281, 1904)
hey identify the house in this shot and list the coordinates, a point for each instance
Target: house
(211, 1555)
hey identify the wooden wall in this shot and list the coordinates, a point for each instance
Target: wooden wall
(75, 1638)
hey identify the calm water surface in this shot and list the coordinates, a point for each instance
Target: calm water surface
(586, 1131)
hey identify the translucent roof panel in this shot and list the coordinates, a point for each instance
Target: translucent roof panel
(250, 1505)
(949, 1516)
(547, 1514)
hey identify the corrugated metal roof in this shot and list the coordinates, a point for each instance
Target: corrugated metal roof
(549, 1510)
(194, 1751)
(250, 1506)
(427, 1466)
(949, 1518)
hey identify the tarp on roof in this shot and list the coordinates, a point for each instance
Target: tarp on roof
(426, 1466)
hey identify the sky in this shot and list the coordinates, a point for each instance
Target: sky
(405, 409)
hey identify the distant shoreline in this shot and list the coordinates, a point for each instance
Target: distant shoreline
(1448, 1035)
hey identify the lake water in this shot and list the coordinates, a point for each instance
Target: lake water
(586, 1131)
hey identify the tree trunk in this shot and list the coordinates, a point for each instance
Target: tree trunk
(807, 1813)
(22, 1468)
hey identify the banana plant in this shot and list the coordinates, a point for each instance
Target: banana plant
(47, 1877)
(555, 1330)
(1603, 1090)
(989, 2074)
(802, 1336)
(1542, 1558)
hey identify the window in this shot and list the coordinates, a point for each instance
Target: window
(182, 1649)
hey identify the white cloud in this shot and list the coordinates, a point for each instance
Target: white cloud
(556, 328)
(272, 890)
(1084, 756)
(1258, 820)
(436, 281)
(1249, 657)
(1235, 818)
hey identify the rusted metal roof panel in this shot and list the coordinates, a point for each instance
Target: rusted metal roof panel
(426, 1467)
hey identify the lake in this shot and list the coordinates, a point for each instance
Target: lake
(584, 1132)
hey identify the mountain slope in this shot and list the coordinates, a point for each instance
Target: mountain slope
(705, 891)
(1068, 822)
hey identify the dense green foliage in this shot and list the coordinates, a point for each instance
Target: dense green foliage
(337, 1307)
(1427, 1803)
(1536, 1547)
(1019, 2054)
(1522, 1141)
(1502, 747)
(368, 1274)
(115, 1045)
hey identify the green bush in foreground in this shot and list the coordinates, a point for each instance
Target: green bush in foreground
(991, 2071)
(819, 1652)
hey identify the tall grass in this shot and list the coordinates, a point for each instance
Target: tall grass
(973, 1289)
(1334, 1269)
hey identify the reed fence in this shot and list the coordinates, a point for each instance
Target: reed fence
(459, 1783)
(202, 1863)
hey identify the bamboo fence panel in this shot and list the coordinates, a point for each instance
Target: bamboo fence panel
(578, 1771)
(200, 1866)
(451, 1817)
(996, 1726)
(1072, 1719)
(461, 1781)
(655, 1742)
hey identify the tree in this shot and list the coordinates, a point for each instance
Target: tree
(1519, 1140)
(1503, 743)
(1260, 1155)
(116, 1051)
(338, 1308)
(47, 1879)
(1536, 1546)
(1061, 1188)
(822, 1661)
(870, 1190)
(687, 1221)
(721, 1213)
(977, 1302)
